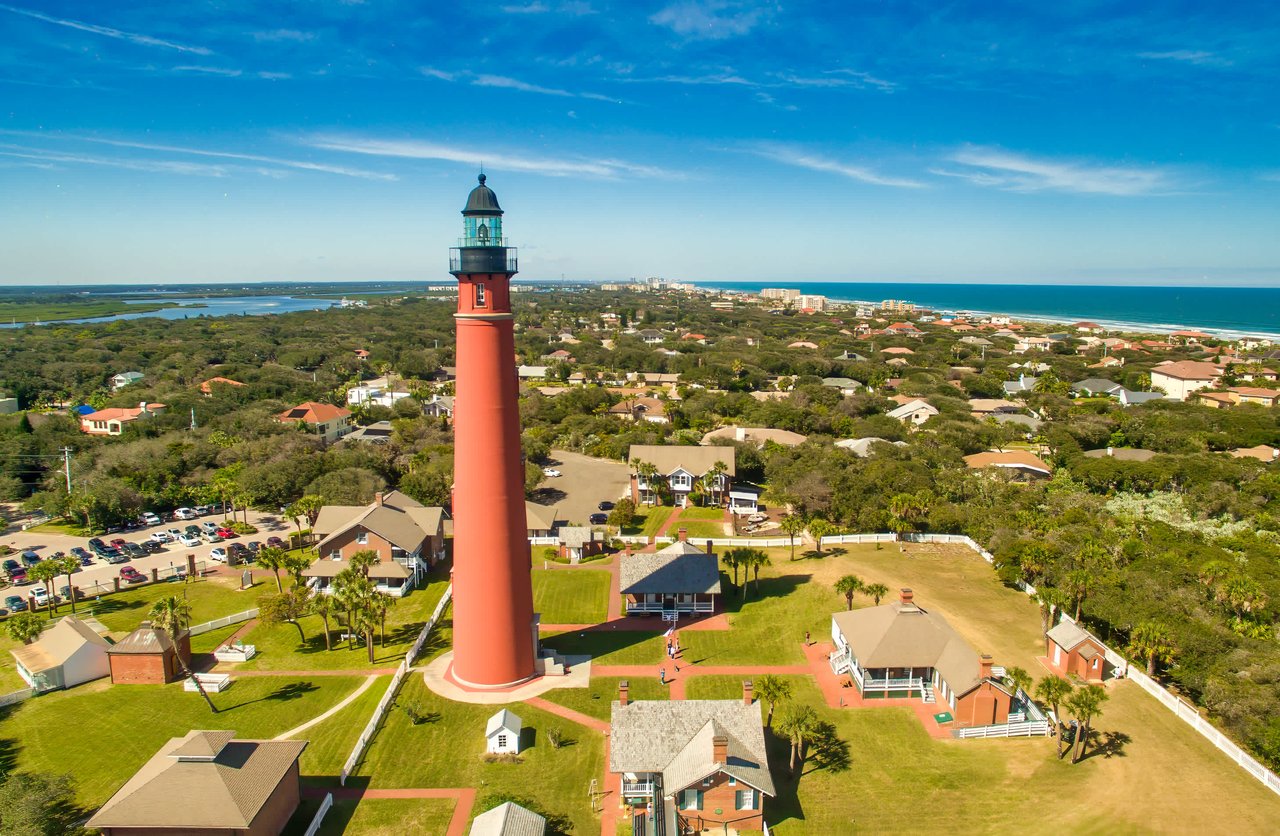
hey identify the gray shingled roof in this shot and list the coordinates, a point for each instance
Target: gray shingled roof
(664, 572)
(508, 819)
(145, 639)
(1068, 636)
(401, 520)
(674, 737)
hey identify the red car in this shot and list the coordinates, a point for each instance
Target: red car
(131, 575)
(225, 534)
(118, 543)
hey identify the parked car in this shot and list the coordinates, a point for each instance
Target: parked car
(161, 536)
(189, 540)
(131, 575)
(202, 510)
(118, 543)
(598, 519)
(134, 550)
(185, 514)
(96, 544)
(550, 472)
(194, 530)
(209, 527)
(30, 558)
(64, 592)
(152, 547)
(83, 554)
(605, 506)
(226, 534)
(254, 546)
(18, 577)
(218, 554)
(116, 557)
(151, 519)
(276, 543)
(15, 603)
(11, 566)
(39, 597)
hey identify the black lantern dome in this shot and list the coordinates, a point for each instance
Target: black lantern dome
(482, 249)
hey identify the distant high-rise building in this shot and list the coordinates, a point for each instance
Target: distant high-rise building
(897, 306)
(786, 294)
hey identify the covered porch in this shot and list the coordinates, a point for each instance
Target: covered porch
(683, 603)
(389, 577)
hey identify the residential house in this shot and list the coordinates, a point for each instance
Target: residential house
(902, 650)
(1123, 454)
(1031, 423)
(1189, 337)
(540, 520)
(407, 537)
(864, 447)
(744, 499)
(207, 388)
(976, 342)
(508, 819)
(208, 782)
(1073, 652)
(65, 655)
(502, 733)
(560, 355)
(754, 435)
(1024, 344)
(379, 432)
(897, 362)
(1215, 400)
(123, 379)
(149, 656)
(682, 468)
(651, 336)
(578, 542)
(1025, 384)
(1022, 465)
(327, 421)
(647, 409)
(803, 344)
(914, 412)
(852, 357)
(700, 339)
(1129, 397)
(896, 351)
(1095, 387)
(368, 395)
(440, 406)
(654, 378)
(1108, 362)
(680, 579)
(1179, 379)
(531, 372)
(986, 407)
(1254, 394)
(691, 765)
(1089, 328)
(111, 421)
(1263, 453)
(904, 329)
(847, 386)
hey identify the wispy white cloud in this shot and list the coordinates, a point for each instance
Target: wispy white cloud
(1000, 169)
(711, 79)
(527, 9)
(154, 166)
(708, 20)
(274, 76)
(832, 79)
(108, 32)
(301, 165)
(573, 8)
(277, 35)
(801, 158)
(605, 168)
(508, 83)
(1188, 56)
(226, 72)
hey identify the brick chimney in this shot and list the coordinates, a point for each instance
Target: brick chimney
(720, 749)
(624, 692)
(683, 534)
(748, 692)
(377, 498)
(984, 667)
(906, 597)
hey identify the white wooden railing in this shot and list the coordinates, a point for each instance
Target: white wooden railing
(225, 621)
(314, 827)
(685, 606)
(634, 788)
(1030, 728)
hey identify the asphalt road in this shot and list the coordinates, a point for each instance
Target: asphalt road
(46, 543)
(584, 482)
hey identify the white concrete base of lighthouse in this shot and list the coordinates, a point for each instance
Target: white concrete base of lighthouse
(439, 680)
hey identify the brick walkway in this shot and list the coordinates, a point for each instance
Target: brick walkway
(568, 714)
(465, 798)
(611, 787)
(304, 674)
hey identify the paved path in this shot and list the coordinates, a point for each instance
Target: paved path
(364, 686)
(568, 714)
(464, 796)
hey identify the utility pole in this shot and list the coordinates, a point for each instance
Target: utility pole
(66, 467)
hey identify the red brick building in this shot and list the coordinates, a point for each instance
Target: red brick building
(691, 764)
(1072, 652)
(148, 656)
(208, 784)
(407, 536)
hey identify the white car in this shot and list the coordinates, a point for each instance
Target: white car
(189, 540)
(151, 519)
(161, 536)
(40, 597)
(185, 514)
(219, 554)
(550, 471)
(175, 534)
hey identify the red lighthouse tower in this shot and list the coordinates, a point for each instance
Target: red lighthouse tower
(495, 635)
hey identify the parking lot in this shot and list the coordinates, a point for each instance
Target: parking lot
(47, 543)
(583, 483)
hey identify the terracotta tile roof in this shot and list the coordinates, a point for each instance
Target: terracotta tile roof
(1188, 370)
(313, 413)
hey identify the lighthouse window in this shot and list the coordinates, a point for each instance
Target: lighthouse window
(480, 303)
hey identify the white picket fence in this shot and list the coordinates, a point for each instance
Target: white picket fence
(393, 690)
(318, 820)
(859, 538)
(225, 621)
(544, 541)
(17, 696)
(1030, 728)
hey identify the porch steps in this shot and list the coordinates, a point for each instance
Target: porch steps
(927, 696)
(549, 663)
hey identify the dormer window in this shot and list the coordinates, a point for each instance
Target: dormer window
(480, 298)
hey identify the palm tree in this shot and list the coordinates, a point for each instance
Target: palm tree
(753, 559)
(1052, 691)
(820, 528)
(172, 614)
(324, 606)
(307, 506)
(46, 572)
(1050, 600)
(797, 723)
(1085, 704)
(848, 586)
(351, 591)
(24, 626)
(792, 524)
(273, 558)
(876, 591)
(905, 510)
(1079, 583)
(648, 473)
(295, 563)
(1018, 679)
(1212, 572)
(731, 561)
(1151, 641)
(772, 689)
(1243, 595)
(380, 603)
(363, 560)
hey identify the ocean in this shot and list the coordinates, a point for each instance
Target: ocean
(1227, 311)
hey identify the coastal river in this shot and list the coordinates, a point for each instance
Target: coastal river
(213, 306)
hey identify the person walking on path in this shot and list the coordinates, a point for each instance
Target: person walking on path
(806, 639)
(662, 676)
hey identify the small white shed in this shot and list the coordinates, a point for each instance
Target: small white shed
(502, 734)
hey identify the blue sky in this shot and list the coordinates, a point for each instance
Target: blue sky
(1081, 142)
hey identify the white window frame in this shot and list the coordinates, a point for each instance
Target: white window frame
(336, 554)
(480, 296)
(362, 538)
(750, 797)
(502, 741)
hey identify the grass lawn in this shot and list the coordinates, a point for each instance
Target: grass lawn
(696, 513)
(59, 527)
(697, 530)
(210, 598)
(101, 734)
(279, 648)
(595, 699)
(212, 640)
(613, 647)
(447, 751)
(383, 817)
(573, 596)
(332, 740)
(730, 687)
(648, 520)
